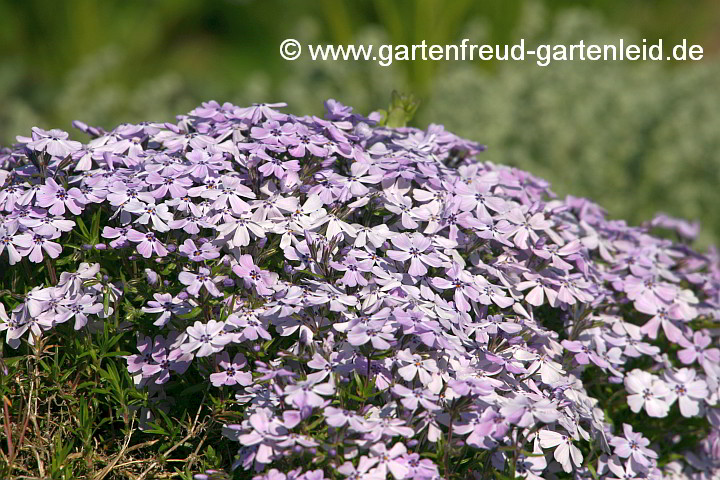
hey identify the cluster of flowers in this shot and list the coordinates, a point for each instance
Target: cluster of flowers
(77, 296)
(375, 295)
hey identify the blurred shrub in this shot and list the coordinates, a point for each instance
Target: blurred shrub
(637, 137)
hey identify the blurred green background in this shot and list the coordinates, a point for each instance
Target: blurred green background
(637, 137)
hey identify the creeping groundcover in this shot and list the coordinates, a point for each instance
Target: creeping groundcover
(371, 302)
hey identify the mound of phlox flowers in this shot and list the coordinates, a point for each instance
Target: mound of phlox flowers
(380, 301)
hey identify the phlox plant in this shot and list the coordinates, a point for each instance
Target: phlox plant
(378, 302)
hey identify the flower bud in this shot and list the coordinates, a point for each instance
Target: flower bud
(151, 276)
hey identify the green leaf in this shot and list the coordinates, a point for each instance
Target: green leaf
(191, 314)
(83, 228)
(106, 301)
(592, 471)
(10, 361)
(198, 387)
(95, 229)
(402, 109)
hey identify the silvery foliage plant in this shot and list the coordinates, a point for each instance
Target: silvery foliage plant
(380, 302)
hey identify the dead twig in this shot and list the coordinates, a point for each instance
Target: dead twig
(103, 473)
(191, 434)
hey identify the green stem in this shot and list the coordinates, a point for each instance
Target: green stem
(446, 455)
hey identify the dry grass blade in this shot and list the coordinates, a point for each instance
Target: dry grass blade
(108, 468)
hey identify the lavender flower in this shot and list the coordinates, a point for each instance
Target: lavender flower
(633, 444)
(204, 339)
(232, 373)
(393, 293)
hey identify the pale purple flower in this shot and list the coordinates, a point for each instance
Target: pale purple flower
(231, 192)
(565, 452)
(411, 399)
(635, 445)
(136, 362)
(646, 390)
(175, 185)
(384, 460)
(163, 361)
(303, 142)
(337, 417)
(462, 284)
(626, 472)
(159, 215)
(415, 365)
(403, 206)
(376, 236)
(525, 411)
(261, 111)
(521, 228)
(56, 198)
(33, 245)
(251, 327)
(420, 468)
(489, 293)
(55, 142)
(79, 308)
(252, 275)
(206, 338)
(166, 305)
(266, 432)
(203, 278)
(8, 240)
(147, 243)
(121, 194)
(271, 132)
(661, 316)
(28, 317)
(206, 251)
(232, 373)
(583, 353)
(48, 225)
(477, 196)
(355, 183)
(381, 338)
(118, 234)
(413, 248)
(549, 370)
(688, 390)
(308, 393)
(203, 163)
(281, 168)
(240, 231)
(354, 270)
(697, 350)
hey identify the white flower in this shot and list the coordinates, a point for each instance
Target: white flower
(550, 372)
(158, 214)
(416, 365)
(635, 445)
(649, 391)
(686, 390)
(564, 448)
